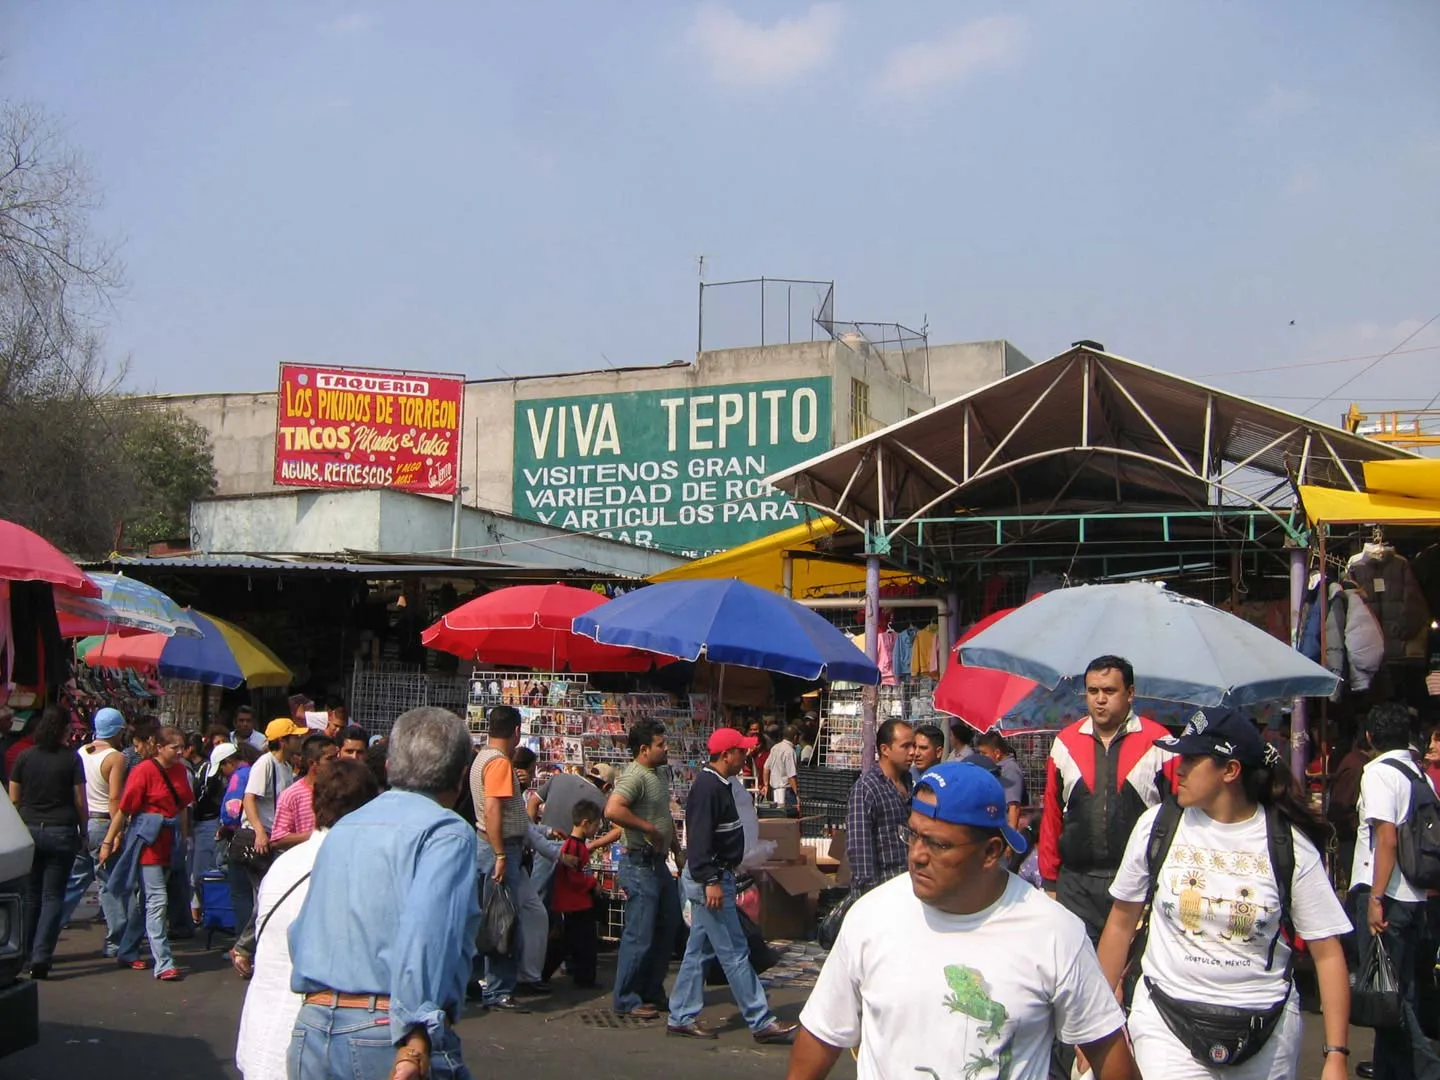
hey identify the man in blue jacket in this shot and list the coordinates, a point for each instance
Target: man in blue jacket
(715, 844)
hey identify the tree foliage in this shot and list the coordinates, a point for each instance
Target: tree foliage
(78, 464)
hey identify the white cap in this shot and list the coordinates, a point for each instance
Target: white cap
(220, 753)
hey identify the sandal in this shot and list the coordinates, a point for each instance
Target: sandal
(242, 964)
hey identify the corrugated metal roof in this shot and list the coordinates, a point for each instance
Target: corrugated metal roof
(375, 566)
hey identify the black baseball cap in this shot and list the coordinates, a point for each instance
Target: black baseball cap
(1220, 733)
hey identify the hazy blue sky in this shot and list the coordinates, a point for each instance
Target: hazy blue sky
(525, 186)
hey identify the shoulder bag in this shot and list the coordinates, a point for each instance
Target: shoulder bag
(242, 844)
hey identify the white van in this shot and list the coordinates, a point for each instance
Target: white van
(19, 998)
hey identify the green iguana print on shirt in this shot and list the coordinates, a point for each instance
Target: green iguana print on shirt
(970, 996)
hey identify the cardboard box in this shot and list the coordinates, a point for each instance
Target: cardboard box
(785, 832)
(788, 894)
(841, 856)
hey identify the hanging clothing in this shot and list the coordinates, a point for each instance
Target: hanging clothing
(884, 658)
(1395, 599)
(904, 650)
(926, 655)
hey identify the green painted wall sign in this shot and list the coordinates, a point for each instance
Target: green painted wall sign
(681, 470)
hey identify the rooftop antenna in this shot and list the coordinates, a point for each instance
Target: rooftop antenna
(607, 360)
(700, 264)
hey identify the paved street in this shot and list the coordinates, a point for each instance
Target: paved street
(99, 1021)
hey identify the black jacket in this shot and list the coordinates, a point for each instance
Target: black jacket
(714, 838)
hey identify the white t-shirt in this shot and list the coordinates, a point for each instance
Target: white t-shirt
(255, 739)
(268, 1016)
(959, 997)
(1384, 796)
(1217, 908)
(780, 767)
(268, 778)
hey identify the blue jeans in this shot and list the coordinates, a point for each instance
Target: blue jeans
(87, 868)
(717, 934)
(652, 921)
(502, 972)
(356, 1043)
(55, 849)
(1404, 1053)
(150, 919)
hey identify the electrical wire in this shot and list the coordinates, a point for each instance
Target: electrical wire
(1389, 352)
(1317, 363)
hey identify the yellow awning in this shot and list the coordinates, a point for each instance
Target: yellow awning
(760, 563)
(1411, 479)
(1333, 507)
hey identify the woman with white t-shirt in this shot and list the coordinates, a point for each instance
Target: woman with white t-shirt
(268, 1017)
(1215, 929)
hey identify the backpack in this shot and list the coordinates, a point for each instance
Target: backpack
(1279, 840)
(1419, 835)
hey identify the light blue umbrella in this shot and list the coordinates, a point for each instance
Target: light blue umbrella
(729, 622)
(1181, 649)
(144, 607)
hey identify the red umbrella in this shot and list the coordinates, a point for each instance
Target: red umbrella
(529, 626)
(979, 696)
(26, 556)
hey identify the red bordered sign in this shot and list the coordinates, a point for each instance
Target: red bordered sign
(344, 427)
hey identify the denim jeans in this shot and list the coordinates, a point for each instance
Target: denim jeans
(1404, 1053)
(357, 1043)
(652, 921)
(150, 919)
(717, 934)
(501, 972)
(87, 868)
(55, 850)
(204, 859)
(242, 896)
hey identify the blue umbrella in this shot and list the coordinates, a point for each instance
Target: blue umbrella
(729, 622)
(1181, 649)
(144, 606)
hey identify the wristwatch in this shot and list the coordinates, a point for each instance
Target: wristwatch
(1327, 1050)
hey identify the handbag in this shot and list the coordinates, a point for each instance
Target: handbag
(242, 844)
(1217, 1034)
(1375, 1000)
(829, 930)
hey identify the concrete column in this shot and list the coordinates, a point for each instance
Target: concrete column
(1299, 735)
(871, 695)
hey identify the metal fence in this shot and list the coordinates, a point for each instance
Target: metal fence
(762, 311)
(380, 694)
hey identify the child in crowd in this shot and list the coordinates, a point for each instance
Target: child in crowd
(573, 899)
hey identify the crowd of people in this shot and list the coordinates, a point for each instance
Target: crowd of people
(1172, 883)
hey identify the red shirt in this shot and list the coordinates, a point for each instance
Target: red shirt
(573, 890)
(147, 793)
(294, 811)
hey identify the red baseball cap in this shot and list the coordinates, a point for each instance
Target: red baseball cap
(727, 738)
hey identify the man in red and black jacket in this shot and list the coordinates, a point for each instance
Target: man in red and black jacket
(1104, 772)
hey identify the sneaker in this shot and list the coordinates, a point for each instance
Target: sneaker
(39, 971)
(171, 975)
(134, 965)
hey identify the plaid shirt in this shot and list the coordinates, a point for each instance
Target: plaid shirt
(872, 830)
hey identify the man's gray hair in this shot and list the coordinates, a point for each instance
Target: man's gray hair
(429, 751)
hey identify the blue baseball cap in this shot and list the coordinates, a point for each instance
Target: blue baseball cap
(108, 723)
(966, 794)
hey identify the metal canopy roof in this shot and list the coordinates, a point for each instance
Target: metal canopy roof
(1083, 434)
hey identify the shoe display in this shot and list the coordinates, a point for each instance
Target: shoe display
(690, 1031)
(776, 1033)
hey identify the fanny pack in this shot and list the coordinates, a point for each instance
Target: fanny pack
(1217, 1034)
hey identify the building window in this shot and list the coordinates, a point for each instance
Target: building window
(859, 409)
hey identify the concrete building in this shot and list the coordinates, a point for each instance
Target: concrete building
(671, 457)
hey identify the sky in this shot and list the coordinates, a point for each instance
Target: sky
(1242, 193)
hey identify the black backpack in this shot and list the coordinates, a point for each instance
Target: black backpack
(1419, 836)
(1278, 839)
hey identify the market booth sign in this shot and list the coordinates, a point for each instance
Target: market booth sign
(683, 470)
(367, 428)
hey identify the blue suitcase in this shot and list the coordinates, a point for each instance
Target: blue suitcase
(215, 900)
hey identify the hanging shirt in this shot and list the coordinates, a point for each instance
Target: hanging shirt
(904, 650)
(884, 658)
